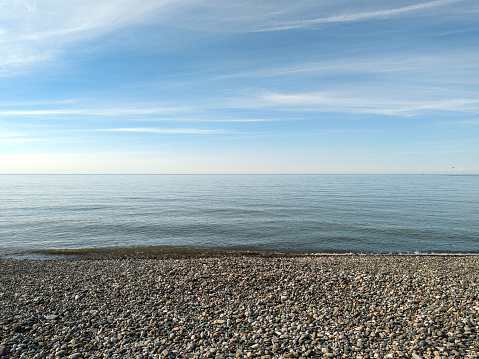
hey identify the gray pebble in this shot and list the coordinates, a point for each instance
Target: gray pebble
(293, 307)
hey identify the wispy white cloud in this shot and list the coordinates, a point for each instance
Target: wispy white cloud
(329, 101)
(239, 120)
(88, 17)
(19, 140)
(460, 66)
(277, 15)
(116, 111)
(168, 114)
(154, 130)
(358, 16)
(210, 119)
(34, 32)
(23, 57)
(13, 136)
(38, 112)
(454, 104)
(4, 133)
(30, 104)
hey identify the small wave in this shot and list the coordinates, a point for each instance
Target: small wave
(415, 254)
(172, 251)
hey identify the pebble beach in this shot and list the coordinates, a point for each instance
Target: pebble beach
(237, 306)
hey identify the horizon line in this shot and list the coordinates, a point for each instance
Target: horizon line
(235, 174)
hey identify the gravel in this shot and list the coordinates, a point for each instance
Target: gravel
(351, 306)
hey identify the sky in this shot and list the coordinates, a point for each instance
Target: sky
(263, 86)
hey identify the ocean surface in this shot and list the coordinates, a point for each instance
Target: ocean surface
(46, 215)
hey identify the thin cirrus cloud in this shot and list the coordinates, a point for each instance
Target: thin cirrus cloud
(168, 114)
(67, 20)
(359, 16)
(36, 32)
(19, 140)
(117, 111)
(461, 66)
(268, 16)
(209, 119)
(140, 112)
(7, 137)
(174, 131)
(348, 103)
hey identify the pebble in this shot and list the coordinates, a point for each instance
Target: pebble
(352, 306)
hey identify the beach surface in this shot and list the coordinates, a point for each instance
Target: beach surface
(223, 306)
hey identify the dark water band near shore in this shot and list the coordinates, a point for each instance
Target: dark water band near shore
(158, 251)
(330, 306)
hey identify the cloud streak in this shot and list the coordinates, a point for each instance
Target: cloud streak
(346, 103)
(172, 131)
(37, 32)
(19, 140)
(65, 20)
(116, 111)
(359, 16)
(461, 65)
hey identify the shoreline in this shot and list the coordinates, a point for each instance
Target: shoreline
(203, 306)
(179, 252)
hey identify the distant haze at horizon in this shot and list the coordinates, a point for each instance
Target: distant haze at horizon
(248, 87)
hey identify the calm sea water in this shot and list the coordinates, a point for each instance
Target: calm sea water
(286, 213)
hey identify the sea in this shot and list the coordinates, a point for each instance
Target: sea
(51, 216)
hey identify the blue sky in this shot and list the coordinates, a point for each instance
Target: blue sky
(139, 86)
